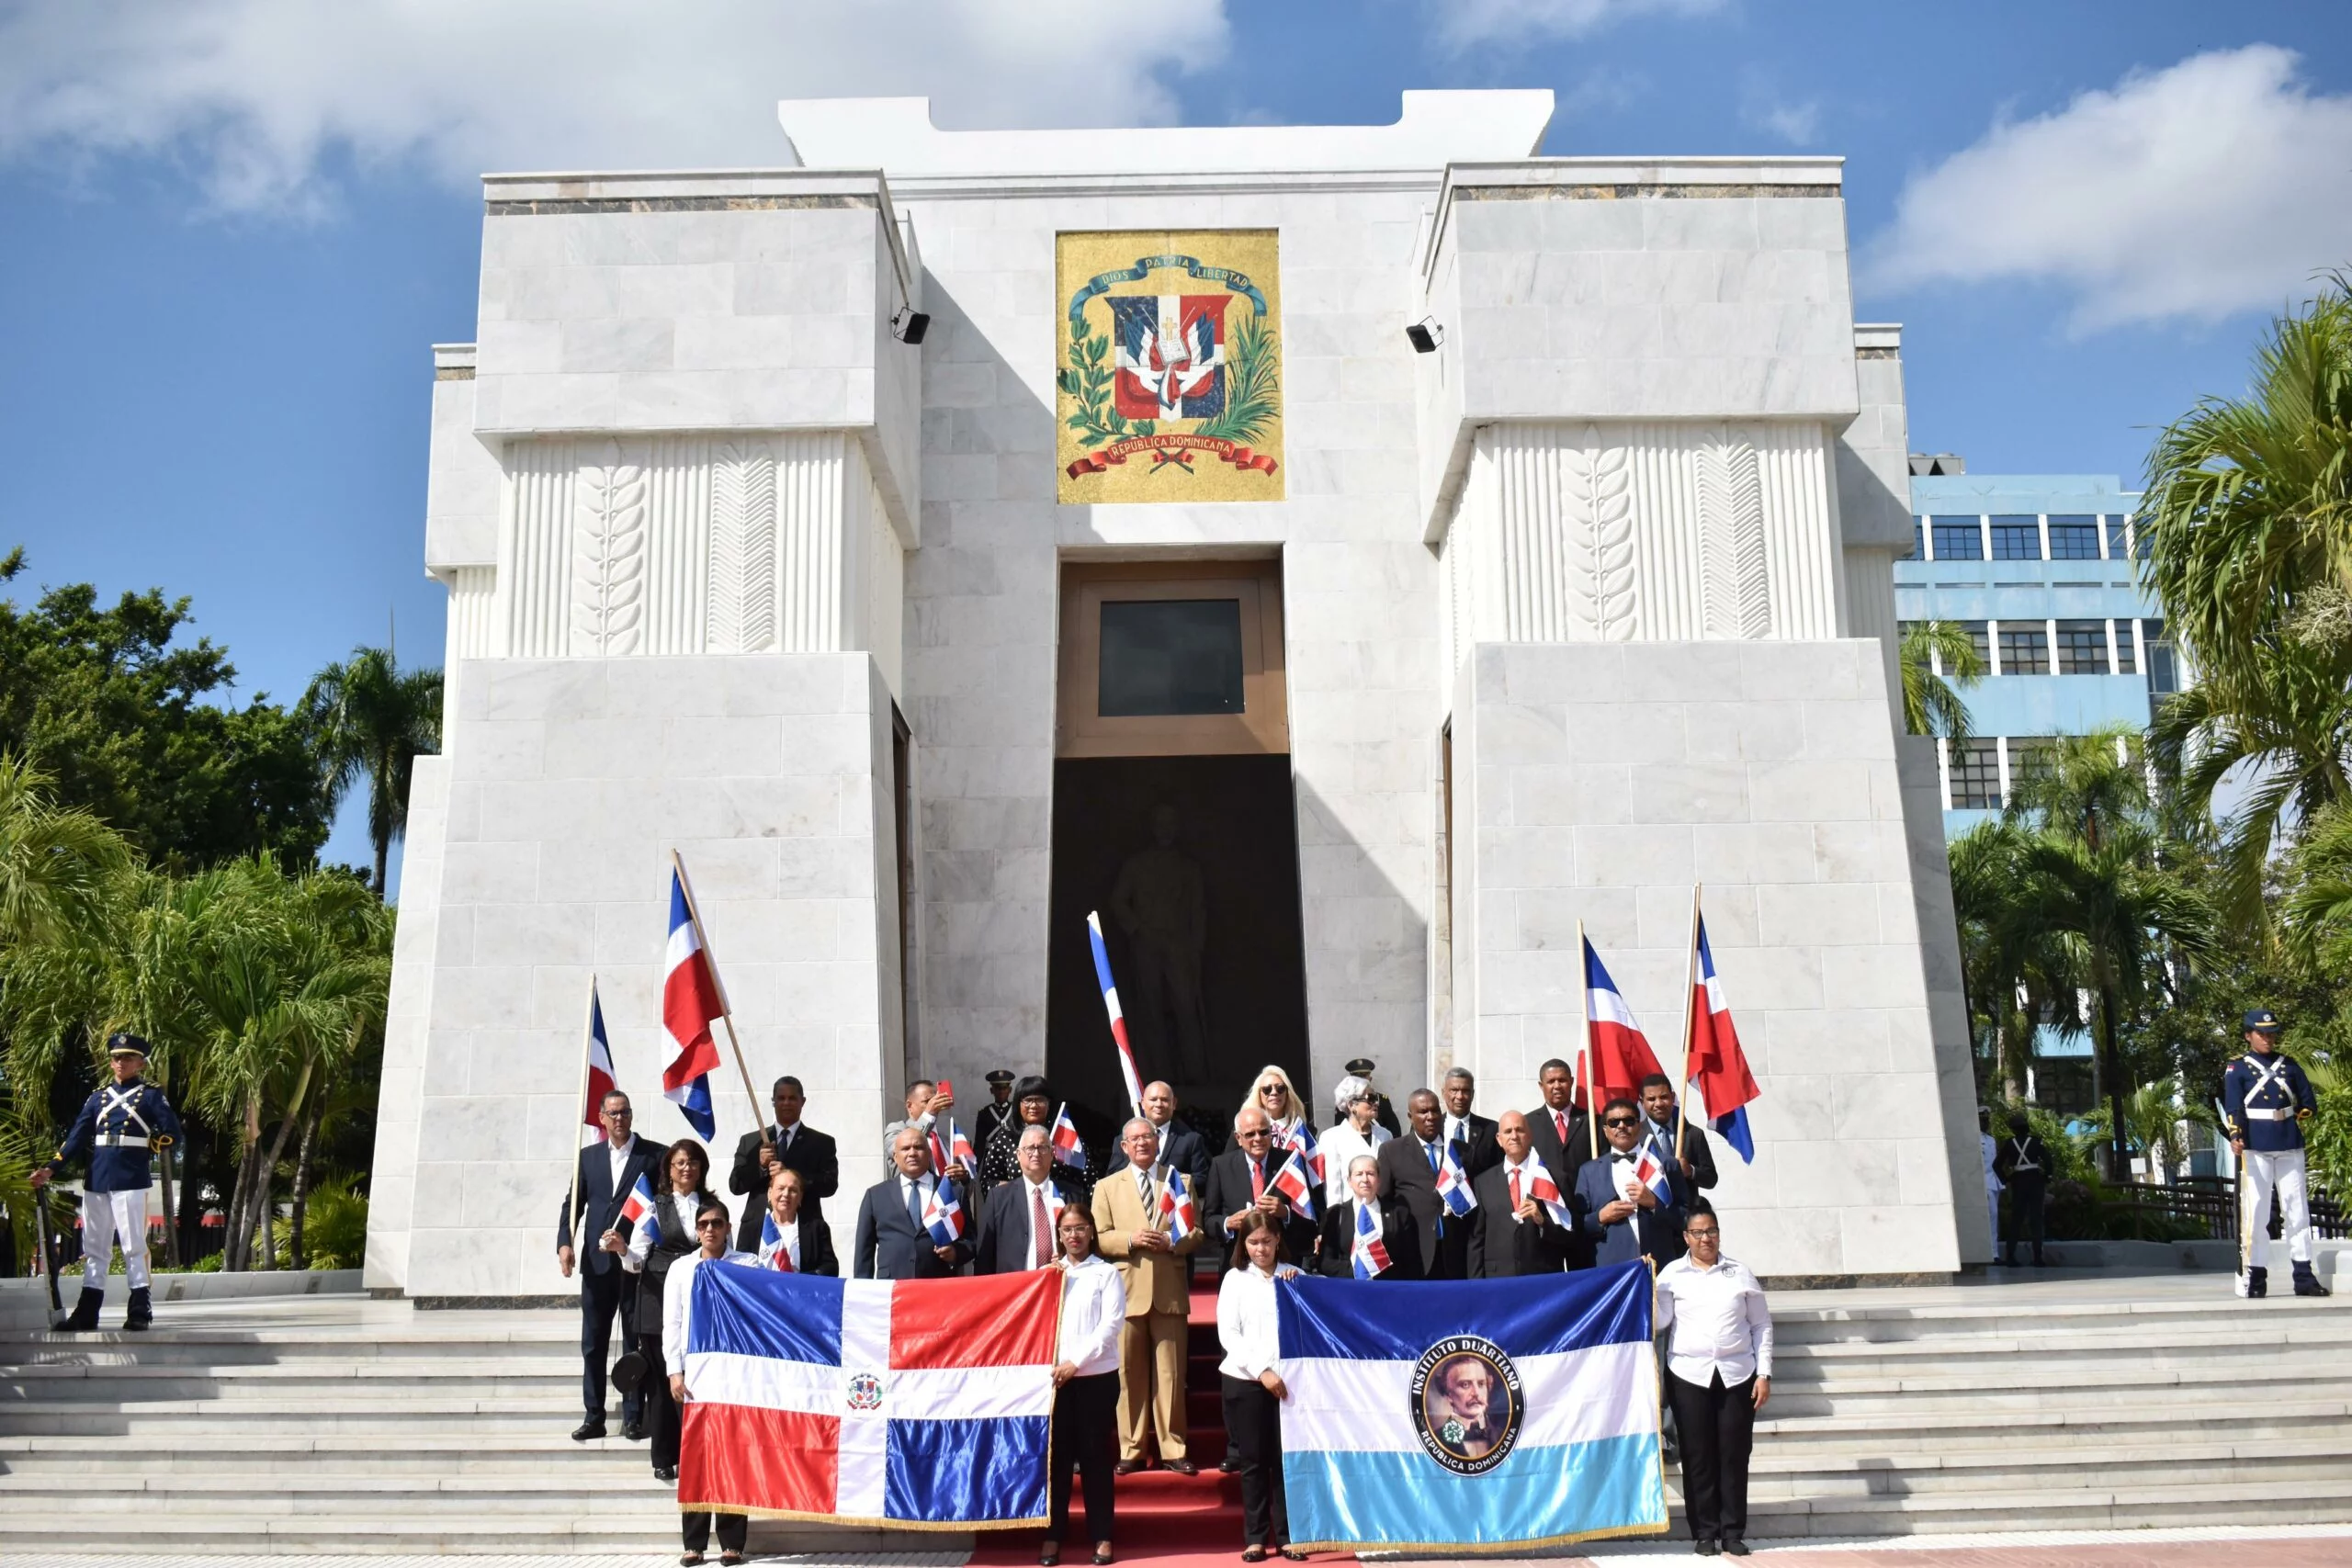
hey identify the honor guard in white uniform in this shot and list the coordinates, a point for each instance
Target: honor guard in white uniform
(120, 1123)
(2266, 1099)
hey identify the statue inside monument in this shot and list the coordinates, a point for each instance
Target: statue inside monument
(1159, 904)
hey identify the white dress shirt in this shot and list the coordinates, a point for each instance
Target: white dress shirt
(923, 1185)
(1246, 1322)
(677, 1303)
(1342, 1147)
(618, 1153)
(1032, 1193)
(1525, 1170)
(1715, 1321)
(674, 1215)
(1094, 1312)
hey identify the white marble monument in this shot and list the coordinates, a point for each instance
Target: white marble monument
(1610, 571)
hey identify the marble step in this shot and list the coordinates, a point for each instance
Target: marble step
(192, 1418)
(366, 1380)
(2046, 1467)
(1805, 1325)
(2124, 1506)
(1860, 1437)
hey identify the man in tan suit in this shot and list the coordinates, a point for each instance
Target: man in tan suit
(1158, 1276)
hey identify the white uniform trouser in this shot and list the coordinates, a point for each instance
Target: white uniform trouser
(109, 1215)
(2280, 1170)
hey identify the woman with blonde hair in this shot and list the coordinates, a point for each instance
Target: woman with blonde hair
(1273, 1093)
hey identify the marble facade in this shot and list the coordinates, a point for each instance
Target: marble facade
(705, 523)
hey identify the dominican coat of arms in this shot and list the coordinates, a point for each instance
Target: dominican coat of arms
(1170, 380)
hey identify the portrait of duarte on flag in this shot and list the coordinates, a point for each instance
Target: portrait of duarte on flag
(1170, 380)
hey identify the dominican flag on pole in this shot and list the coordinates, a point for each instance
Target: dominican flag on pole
(1453, 1185)
(639, 1202)
(1621, 1056)
(1718, 1067)
(1294, 1183)
(1176, 1206)
(870, 1402)
(601, 1081)
(1652, 1175)
(690, 1002)
(942, 1216)
(1111, 1005)
(1300, 1138)
(1069, 1147)
(773, 1252)
(950, 1147)
(1369, 1257)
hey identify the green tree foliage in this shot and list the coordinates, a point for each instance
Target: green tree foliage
(129, 721)
(1931, 702)
(372, 720)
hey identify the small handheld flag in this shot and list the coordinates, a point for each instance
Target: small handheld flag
(1069, 1147)
(1652, 1175)
(1546, 1191)
(1176, 1209)
(949, 1148)
(1369, 1257)
(689, 1003)
(1453, 1186)
(1718, 1067)
(1299, 1137)
(942, 1216)
(774, 1254)
(1118, 1018)
(1621, 1056)
(639, 1203)
(601, 1080)
(1294, 1182)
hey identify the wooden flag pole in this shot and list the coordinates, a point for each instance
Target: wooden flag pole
(587, 1048)
(1690, 1027)
(1584, 1014)
(726, 1008)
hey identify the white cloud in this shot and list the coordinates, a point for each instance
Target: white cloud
(1795, 124)
(256, 95)
(2219, 185)
(1461, 23)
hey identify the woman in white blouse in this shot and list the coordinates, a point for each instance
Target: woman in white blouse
(1252, 1336)
(1086, 1382)
(1359, 1135)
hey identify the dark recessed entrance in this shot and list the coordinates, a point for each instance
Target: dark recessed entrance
(1174, 819)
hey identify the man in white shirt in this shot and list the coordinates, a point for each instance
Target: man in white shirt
(677, 1321)
(607, 1171)
(1718, 1375)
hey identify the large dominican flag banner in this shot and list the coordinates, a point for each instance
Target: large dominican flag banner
(1504, 1413)
(689, 1005)
(1621, 1056)
(1718, 1067)
(920, 1405)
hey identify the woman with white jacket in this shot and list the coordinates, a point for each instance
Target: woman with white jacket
(1360, 1133)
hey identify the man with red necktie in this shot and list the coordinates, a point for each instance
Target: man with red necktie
(1511, 1231)
(1016, 1226)
(1562, 1138)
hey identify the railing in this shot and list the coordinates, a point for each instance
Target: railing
(2210, 1204)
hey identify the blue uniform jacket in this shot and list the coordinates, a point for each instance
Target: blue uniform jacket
(135, 1111)
(2262, 1097)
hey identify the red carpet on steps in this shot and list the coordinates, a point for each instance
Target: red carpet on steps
(1164, 1518)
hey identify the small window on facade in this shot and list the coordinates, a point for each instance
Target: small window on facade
(2118, 545)
(1170, 656)
(2017, 538)
(1977, 634)
(2025, 650)
(2164, 677)
(1958, 539)
(2074, 539)
(2127, 658)
(2139, 541)
(2082, 647)
(1918, 527)
(2029, 754)
(1976, 775)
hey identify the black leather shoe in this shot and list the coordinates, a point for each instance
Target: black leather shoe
(1228, 1467)
(586, 1430)
(1186, 1467)
(1126, 1467)
(2257, 1282)
(1706, 1548)
(1734, 1547)
(86, 1313)
(634, 1431)
(665, 1472)
(2307, 1283)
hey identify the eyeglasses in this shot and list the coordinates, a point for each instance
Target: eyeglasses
(710, 1225)
(1702, 1236)
(622, 1115)
(1619, 1121)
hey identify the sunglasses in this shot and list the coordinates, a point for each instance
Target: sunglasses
(1619, 1121)
(710, 1225)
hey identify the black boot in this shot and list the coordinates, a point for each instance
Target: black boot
(86, 1313)
(142, 1313)
(2257, 1282)
(2307, 1283)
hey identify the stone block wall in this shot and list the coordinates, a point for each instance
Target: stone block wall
(1596, 783)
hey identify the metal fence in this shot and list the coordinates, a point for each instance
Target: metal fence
(2210, 1205)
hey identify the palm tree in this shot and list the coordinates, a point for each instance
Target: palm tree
(1931, 701)
(56, 864)
(2248, 505)
(373, 720)
(2016, 972)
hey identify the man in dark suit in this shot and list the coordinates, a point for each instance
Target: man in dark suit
(1016, 1229)
(1562, 1138)
(891, 1241)
(1394, 1223)
(1512, 1233)
(1241, 1180)
(1472, 1136)
(1660, 1116)
(1409, 1176)
(1178, 1144)
(607, 1171)
(1623, 1228)
(788, 1145)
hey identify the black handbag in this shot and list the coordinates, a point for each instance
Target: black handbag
(629, 1372)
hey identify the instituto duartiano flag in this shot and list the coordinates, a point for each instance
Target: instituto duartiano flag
(919, 1405)
(1503, 1413)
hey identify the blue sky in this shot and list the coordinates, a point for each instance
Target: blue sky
(233, 227)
